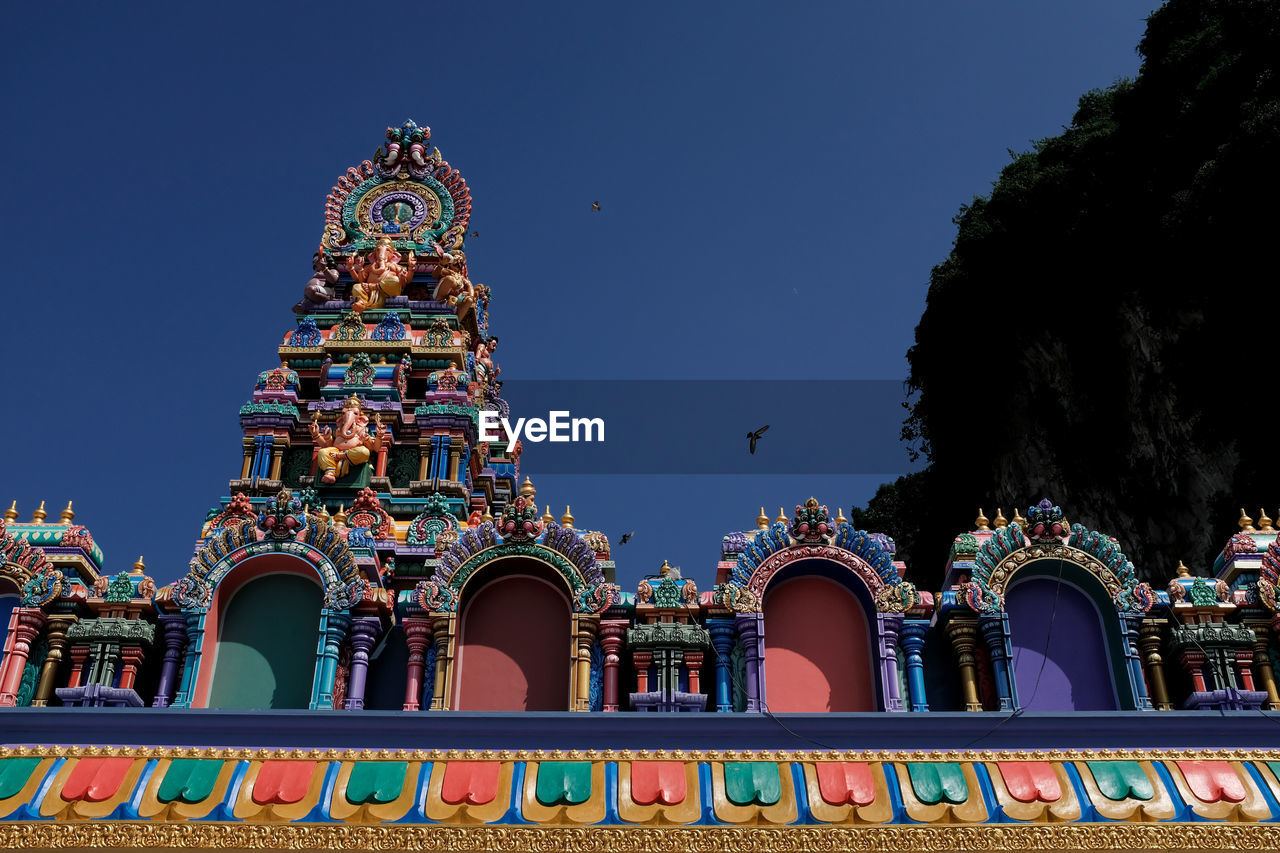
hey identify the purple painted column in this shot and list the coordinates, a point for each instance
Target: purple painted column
(174, 626)
(364, 632)
(751, 635)
(887, 625)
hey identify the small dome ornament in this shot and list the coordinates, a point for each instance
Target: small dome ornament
(1000, 521)
(981, 522)
(340, 517)
(1018, 519)
(1264, 523)
(39, 515)
(1245, 522)
(566, 520)
(139, 567)
(762, 520)
(1183, 571)
(527, 490)
(547, 517)
(782, 516)
(67, 515)
(840, 519)
(664, 569)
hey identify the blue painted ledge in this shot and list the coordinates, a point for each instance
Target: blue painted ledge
(536, 730)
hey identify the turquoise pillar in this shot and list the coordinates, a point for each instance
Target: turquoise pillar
(333, 630)
(912, 640)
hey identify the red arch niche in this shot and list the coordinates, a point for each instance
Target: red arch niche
(513, 648)
(817, 648)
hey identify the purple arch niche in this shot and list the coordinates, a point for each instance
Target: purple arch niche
(1059, 663)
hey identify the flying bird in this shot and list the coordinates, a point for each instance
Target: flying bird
(753, 437)
(626, 537)
(475, 233)
(595, 206)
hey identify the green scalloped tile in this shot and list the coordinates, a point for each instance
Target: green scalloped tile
(748, 782)
(14, 774)
(1120, 780)
(376, 781)
(938, 781)
(189, 780)
(563, 783)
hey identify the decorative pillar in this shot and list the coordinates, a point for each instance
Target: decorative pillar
(277, 457)
(1243, 669)
(79, 658)
(612, 633)
(174, 631)
(1150, 639)
(1262, 662)
(364, 633)
(336, 623)
(417, 633)
(185, 695)
(641, 659)
(585, 627)
(693, 663)
(1194, 663)
(723, 637)
(249, 443)
(131, 661)
(964, 636)
(887, 625)
(57, 637)
(912, 639)
(751, 632)
(27, 623)
(380, 467)
(1131, 624)
(442, 625)
(995, 632)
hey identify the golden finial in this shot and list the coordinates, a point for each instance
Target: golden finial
(527, 490)
(1245, 522)
(138, 567)
(39, 515)
(488, 516)
(1000, 520)
(547, 517)
(324, 513)
(566, 520)
(67, 514)
(782, 516)
(340, 517)
(840, 519)
(762, 520)
(1018, 519)
(664, 569)
(1264, 523)
(1183, 571)
(11, 514)
(981, 522)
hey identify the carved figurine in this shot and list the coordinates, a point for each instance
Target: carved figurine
(348, 443)
(485, 368)
(454, 288)
(321, 286)
(379, 275)
(100, 584)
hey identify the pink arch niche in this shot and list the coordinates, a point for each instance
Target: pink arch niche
(514, 644)
(817, 641)
(242, 573)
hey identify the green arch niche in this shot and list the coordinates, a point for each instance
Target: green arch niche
(267, 644)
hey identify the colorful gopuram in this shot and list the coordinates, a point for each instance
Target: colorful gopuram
(379, 602)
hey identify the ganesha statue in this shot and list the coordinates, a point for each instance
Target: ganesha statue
(379, 275)
(348, 444)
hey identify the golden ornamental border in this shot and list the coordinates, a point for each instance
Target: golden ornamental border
(454, 839)
(262, 754)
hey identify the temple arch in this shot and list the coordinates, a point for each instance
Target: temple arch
(817, 639)
(262, 627)
(1066, 640)
(515, 639)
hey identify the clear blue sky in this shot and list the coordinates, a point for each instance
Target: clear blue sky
(776, 180)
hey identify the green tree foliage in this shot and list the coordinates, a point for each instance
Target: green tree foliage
(1101, 332)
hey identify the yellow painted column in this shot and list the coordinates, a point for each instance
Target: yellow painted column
(964, 636)
(585, 628)
(442, 628)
